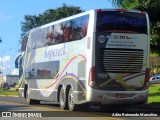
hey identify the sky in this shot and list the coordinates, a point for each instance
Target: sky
(12, 13)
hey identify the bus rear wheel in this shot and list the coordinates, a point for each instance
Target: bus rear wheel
(71, 105)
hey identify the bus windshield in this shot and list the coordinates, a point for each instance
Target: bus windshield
(121, 22)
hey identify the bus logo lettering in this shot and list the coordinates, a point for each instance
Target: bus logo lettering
(55, 52)
(101, 38)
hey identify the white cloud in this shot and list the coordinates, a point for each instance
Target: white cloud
(15, 72)
(5, 59)
(5, 65)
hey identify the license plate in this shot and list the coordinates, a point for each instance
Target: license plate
(120, 95)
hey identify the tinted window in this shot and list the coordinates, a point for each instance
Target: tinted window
(114, 21)
(24, 42)
(71, 30)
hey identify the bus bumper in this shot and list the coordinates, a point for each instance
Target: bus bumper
(117, 97)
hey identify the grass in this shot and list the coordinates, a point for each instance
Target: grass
(8, 92)
(154, 93)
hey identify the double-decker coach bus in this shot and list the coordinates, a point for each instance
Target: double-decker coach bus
(100, 56)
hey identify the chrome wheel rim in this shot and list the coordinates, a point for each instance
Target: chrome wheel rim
(70, 99)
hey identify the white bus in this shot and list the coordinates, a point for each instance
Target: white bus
(100, 56)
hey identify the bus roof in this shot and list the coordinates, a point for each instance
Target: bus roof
(85, 13)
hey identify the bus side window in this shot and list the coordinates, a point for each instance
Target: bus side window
(49, 38)
(84, 30)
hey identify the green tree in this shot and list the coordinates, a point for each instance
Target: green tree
(32, 21)
(152, 7)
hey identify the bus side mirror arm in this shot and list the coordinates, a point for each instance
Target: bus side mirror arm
(17, 61)
(16, 64)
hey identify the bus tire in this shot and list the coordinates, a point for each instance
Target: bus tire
(71, 105)
(25, 91)
(62, 99)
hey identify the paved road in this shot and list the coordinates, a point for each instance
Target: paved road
(18, 105)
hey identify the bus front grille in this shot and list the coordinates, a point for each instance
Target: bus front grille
(120, 60)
